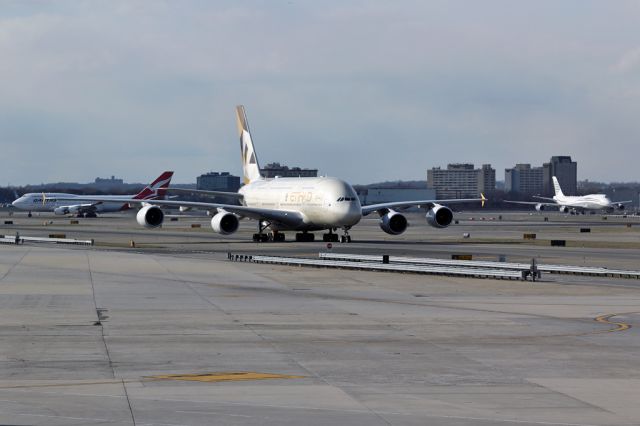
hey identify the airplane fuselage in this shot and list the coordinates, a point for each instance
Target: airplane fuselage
(586, 202)
(324, 202)
(48, 202)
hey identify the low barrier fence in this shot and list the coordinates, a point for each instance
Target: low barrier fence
(553, 269)
(18, 239)
(379, 266)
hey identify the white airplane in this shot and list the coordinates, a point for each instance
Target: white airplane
(63, 204)
(574, 204)
(299, 204)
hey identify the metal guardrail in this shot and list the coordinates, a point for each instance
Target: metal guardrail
(553, 269)
(8, 239)
(377, 266)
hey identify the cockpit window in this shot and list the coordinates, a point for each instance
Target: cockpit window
(346, 199)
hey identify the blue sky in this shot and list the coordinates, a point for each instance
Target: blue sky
(364, 90)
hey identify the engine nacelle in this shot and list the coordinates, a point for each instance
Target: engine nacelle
(540, 207)
(60, 211)
(184, 209)
(563, 209)
(620, 206)
(150, 216)
(225, 223)
(439, 216)
(393, 223)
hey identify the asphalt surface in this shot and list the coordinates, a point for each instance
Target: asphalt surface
(169, 332)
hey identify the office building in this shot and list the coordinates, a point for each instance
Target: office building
(524, 179)
(565, 170)
(272, 170)
(461, 180)
(215, 181)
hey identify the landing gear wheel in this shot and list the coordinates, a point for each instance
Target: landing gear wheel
(305, 237)
(278, 237)
(330, 238)
(261, 237)
(346, 238)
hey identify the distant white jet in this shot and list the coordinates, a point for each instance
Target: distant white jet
(575, 204)
(295, 204)
(63, 204)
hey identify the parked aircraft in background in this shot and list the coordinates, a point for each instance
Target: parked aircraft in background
(574, 204)
(63, 204)
(299, 204)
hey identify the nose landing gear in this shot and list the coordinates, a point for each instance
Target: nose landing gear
(346, 238)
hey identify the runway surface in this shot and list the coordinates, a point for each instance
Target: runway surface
(171, 333)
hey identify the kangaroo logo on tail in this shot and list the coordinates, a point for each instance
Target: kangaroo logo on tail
(156, 189)
(250, 166)
(556, 187)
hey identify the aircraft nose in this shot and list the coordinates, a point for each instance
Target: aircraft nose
(353, 214)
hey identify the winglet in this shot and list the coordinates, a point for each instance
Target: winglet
(483, 199)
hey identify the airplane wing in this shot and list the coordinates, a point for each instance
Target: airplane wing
(289, 218)
(385, 207)
(235, 195)
(531, 203)
(544, 198)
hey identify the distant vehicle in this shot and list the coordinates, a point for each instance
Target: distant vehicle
(63, 204)
(295, 204)
(575, 204)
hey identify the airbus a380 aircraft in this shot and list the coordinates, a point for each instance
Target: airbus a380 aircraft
(575, 204)
(296, 204)
(62, 204)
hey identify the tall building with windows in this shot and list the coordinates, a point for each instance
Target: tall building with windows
(272, 170)
(565, 170)
(524, 179)
(461, 180)
(214, 181)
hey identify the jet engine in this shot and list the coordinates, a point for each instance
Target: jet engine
(439, 216)
(563, 209)
(60, 211)
(620, 206)
(540, 207)
(150, 216)
(225, 223)
(393, 223)
(184, 209)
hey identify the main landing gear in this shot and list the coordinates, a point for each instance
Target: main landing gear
(305, 237)
(330, 237)
(261, 237)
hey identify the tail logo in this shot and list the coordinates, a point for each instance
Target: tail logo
(250, 167)
(157, 189)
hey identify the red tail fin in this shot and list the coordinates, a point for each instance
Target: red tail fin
(156, 189)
